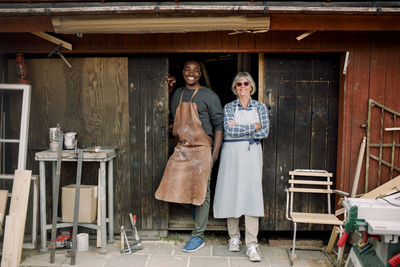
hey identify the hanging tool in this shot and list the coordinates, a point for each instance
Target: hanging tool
(56, 189)
(57, 51)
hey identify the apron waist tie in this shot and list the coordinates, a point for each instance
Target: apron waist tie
(250, 140)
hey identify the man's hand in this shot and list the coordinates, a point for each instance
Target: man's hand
(257, 126)
(171, 81)
(218, 136)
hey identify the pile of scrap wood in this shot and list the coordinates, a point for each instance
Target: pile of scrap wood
(15, 220)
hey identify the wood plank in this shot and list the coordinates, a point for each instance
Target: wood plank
(229, 41)
(302, 139)
(98, 232)
(309, 182)
(135, 114)
(179, 40)
(269, 147)
(18, 208)
(212, 40)
(53, 39)
(285, 133)
(392, 97)
(304, 35)
(312, 174)
(159, 66)
(319, 126)
(263, 40)
(344, 115)
(361, 59)
(311, 190)
(333, 109)
(3, 205)
(315, 218)
(11, 241)
(246, 40)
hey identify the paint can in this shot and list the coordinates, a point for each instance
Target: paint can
(82, 241)
(69, 140)
(54, 137)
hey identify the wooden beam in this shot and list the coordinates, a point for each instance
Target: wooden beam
(53, 39)
(26, 24)
(308, 22)
(129, 24)
(304, 35)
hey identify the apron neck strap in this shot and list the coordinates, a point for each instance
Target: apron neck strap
(195, 92)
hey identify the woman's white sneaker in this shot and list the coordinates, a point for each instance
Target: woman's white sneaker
(234, 244)
(254, 253)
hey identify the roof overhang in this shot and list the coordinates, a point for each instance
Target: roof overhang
(182, 17)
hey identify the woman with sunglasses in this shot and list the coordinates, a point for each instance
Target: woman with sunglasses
(239, 184)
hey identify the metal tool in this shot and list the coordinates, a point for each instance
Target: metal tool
(57, 51)
(76, 207)
(133, 222)
(56, 189)
(127, 247)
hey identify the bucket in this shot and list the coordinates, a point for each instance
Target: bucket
(82, 241)
(69, 140)
(54, 145)
(54, 138)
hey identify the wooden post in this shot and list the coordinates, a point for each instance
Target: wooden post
(358, 169)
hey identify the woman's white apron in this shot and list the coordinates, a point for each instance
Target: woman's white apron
(239, 185)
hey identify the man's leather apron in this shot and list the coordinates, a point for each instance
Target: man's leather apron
(188, 169)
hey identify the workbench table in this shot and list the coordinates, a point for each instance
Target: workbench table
(103, 156)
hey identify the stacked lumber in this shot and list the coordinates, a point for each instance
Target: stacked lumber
(15, 220)
(3, 204)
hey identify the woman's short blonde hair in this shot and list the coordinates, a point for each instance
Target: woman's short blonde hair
(248, 77)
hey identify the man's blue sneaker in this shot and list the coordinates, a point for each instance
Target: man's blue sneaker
(194, 244)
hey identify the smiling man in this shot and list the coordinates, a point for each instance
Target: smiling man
(198, 125)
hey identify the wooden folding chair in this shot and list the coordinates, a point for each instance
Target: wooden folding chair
(311, 182)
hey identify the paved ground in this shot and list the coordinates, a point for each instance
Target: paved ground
(168, 253)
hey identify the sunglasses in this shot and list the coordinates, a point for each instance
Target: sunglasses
(239, 84)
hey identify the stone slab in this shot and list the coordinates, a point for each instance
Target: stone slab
(223, 251)
(208, 261)
(167, 261)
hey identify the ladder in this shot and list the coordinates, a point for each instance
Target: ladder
(23, 149)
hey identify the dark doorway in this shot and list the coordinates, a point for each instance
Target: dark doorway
(218, 73)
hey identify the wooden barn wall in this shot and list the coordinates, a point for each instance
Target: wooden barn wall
(373, 71)
(90, 99)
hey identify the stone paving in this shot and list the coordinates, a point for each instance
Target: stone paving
(170, 254)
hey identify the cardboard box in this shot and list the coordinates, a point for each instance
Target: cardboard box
(87, 203)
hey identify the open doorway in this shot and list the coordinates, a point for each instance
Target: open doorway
(218, 72)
